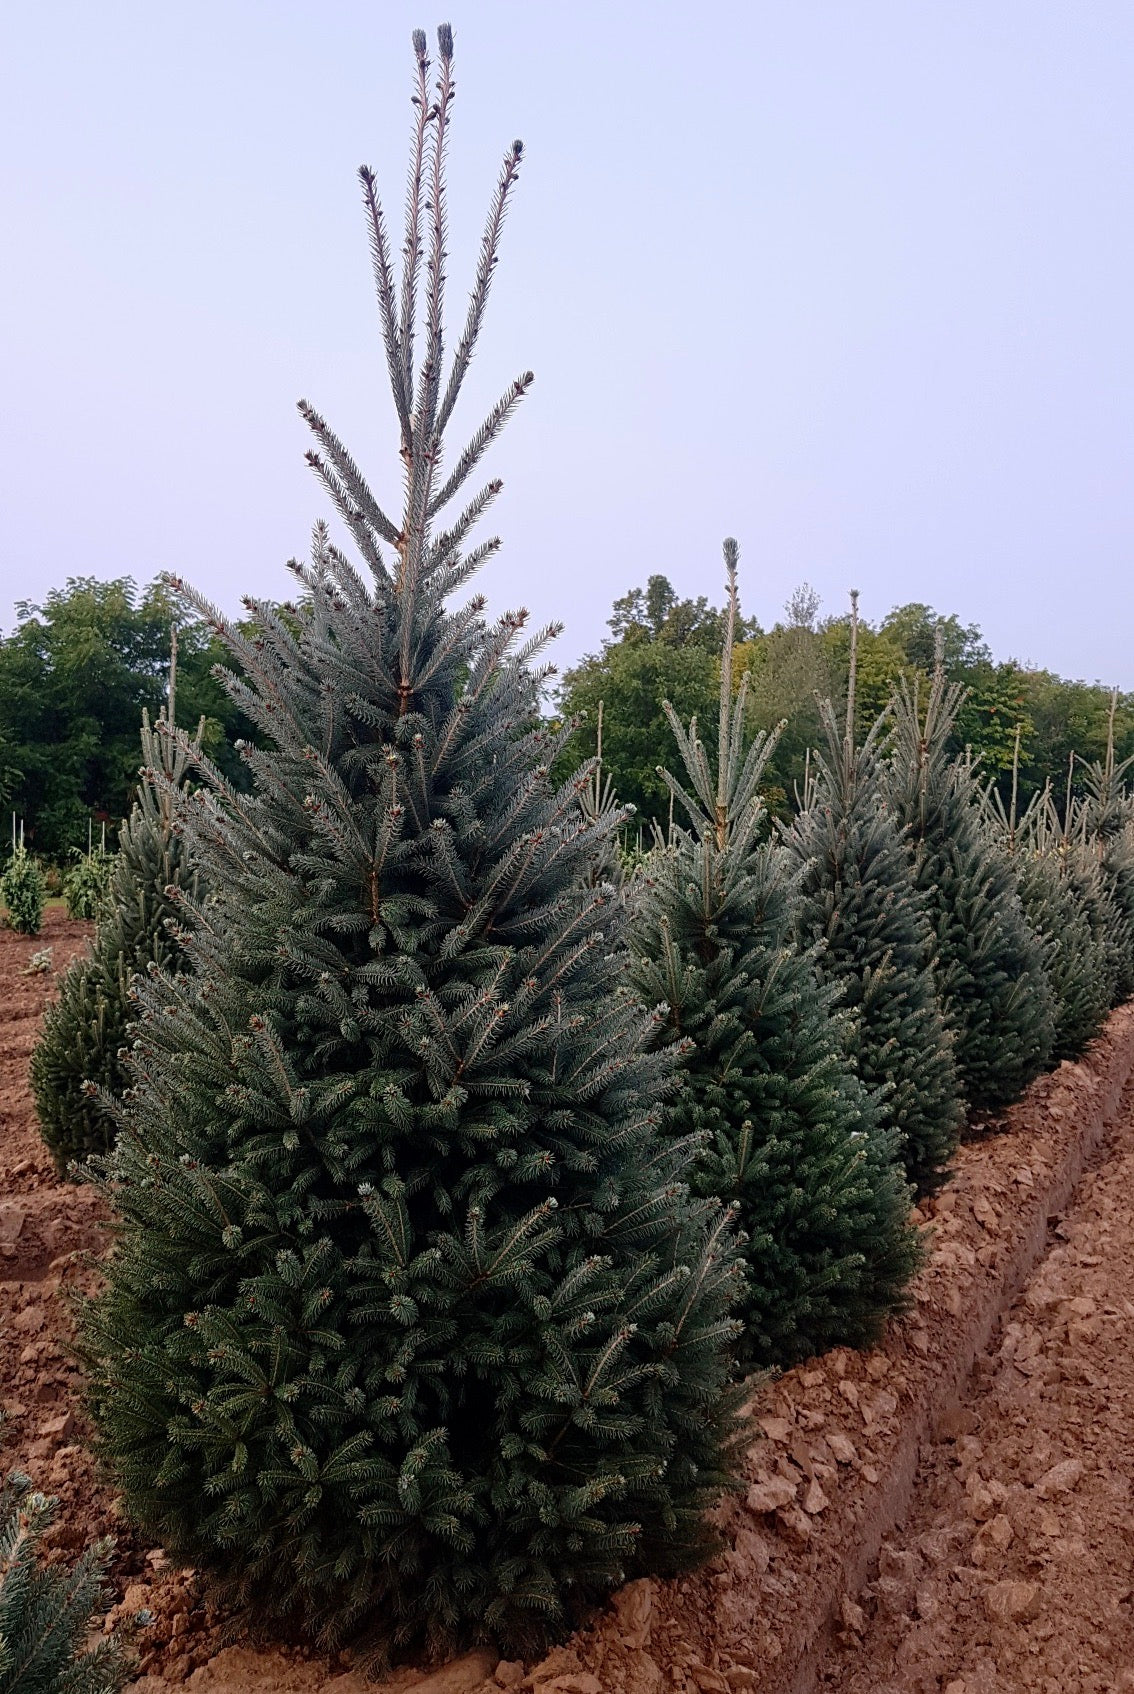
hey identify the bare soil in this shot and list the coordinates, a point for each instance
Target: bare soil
(996, 1417)
(1014, 1570)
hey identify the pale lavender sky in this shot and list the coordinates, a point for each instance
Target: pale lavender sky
(849, 279)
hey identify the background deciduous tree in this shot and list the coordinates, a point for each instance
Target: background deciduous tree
(664, 647)
(75, 676)
(661, 648)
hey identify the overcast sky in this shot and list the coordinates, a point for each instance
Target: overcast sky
(852, 281)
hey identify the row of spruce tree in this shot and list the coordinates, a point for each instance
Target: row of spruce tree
(461, 1180)
(848, 986)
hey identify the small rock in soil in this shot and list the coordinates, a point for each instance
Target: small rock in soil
(1013, 1602)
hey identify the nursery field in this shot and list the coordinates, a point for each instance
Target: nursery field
(511, 1254)
(949, 1511)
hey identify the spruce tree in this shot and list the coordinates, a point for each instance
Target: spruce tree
(858, 899)
(1111, 930)
(1075, 956)
(78, 1064)
(788, 1133)
(1065, 903)
(46, 1611)
(991, 980)
(1106, 832)
(413, 1332)
(87, 882)
(22, 891)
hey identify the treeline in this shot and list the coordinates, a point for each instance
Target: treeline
(76, 675)
(662, 647)
(78, 671)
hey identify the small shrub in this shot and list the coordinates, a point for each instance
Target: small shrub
(23, 893)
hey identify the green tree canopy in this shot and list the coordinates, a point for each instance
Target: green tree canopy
(76, 674)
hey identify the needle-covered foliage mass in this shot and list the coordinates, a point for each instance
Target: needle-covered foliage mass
(860, 903)
(1104, 828)
(788, 1133)
(413, 1331)
(1075, 954)
(991, 978)
(23, 892)
(47, 1610)
(78, 1063)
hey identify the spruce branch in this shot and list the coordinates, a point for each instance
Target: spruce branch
(411, 247)
(384, 285)
(482, 440)
(350, 486)
(486, 266)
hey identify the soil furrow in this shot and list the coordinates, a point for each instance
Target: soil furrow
(1013, 1569)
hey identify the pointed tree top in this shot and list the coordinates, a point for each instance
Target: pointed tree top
(425, 383)
(852, 672)
(1015, 787)
(939, 653)
(731, 559)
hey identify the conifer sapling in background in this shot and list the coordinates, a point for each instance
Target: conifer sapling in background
(86, 882)
(991, 979)
(78, 1063)
(1055, 885)
(1068, 834)
(788, 1133)
(598, 800)
(22, 888)
(859, 902)
(1106, 824)
(413, 1332)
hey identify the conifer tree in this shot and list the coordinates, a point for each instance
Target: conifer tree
(991, 980)
(46, 1611)
(1106, 831)
(413, 1332)
(22, 890)
(78, 1064)
(87, 882)
(1063, 900)
(788, 1132)
(858, 899)
(597, 801)
(1111, 930)
(1075, 956)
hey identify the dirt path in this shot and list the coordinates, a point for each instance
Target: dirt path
(1015, 1569)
